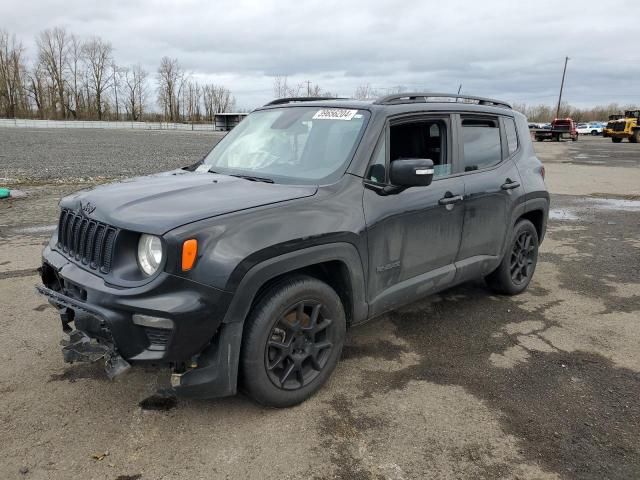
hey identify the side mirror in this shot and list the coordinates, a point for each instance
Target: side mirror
(411, 172)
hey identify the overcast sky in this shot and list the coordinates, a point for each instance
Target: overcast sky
(512, 50)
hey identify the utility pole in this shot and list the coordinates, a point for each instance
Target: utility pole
(564, 72)
(308, 88)
(459, 89)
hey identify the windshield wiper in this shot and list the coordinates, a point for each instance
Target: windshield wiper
(251, 178)
(246, 177)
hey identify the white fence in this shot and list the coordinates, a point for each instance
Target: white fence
(24, 123)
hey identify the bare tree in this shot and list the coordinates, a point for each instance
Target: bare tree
(97, 57)
(192, 100)
(53, 50)
(217, 99)
(74, 67)
(117, 76)
(12, 73)
(282, 88)
(365, 92)
(36, 88)
(135, 91)
(170, 79)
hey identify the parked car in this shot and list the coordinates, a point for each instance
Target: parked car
(246, 269)
(589, 128)
(582, 128)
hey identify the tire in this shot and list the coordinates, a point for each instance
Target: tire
(574, 139)
(521, 258)
(292, 342)
(539, 139)
(616, 139)
(635, 136)
(594, 133)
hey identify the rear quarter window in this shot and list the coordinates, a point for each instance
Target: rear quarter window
(512, 135)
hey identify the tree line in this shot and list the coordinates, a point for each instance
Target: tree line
(75, 78)
(534, 113)
(546, 113)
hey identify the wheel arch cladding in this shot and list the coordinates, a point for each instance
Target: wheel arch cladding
(537, 218)
(337, 264)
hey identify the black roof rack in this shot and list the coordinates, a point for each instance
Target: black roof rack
(280, 101)
(399, 98)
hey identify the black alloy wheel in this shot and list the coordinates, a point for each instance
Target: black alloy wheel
(299, 345)
(518, 264)
(292, 341)
(523, 258)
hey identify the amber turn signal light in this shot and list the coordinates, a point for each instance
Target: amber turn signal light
(189, 253)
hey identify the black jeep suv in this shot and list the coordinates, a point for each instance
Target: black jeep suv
(311, 216)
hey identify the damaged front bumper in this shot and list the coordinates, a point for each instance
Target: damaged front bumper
(80, 347)
(114, 324)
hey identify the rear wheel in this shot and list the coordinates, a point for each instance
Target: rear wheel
(616, 139)
(635, 136)
(519, 263)
(293, 341)
(594, 132)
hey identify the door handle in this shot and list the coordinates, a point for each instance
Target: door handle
(450, 199)
(509, 184)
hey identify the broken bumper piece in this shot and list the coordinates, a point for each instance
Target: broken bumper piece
(81, 348)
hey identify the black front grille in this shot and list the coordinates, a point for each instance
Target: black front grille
(86, 240)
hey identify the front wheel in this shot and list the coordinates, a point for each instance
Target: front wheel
(292, 342)
(516, 269)
(616, 139)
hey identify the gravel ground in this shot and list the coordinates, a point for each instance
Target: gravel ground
(73, 155)
(461, 385)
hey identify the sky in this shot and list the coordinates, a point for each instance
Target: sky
(511, 50)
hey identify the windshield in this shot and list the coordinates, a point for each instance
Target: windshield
(291, 145)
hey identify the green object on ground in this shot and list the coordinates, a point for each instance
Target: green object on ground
(5, 193)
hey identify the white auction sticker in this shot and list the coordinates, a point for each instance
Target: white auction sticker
(334, 114)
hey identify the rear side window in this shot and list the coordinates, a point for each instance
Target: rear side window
(482, 146)
(512, 136)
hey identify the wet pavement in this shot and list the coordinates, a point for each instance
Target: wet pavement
(461, 385)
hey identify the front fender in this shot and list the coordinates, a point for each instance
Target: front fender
(262, 272)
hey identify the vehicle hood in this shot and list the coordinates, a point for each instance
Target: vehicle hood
(158, 203)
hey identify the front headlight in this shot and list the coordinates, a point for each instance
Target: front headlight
(149, 253)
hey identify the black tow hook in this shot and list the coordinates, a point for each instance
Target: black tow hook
(81, 348)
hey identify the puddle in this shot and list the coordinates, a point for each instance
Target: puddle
(562, 215)
(614, 204)
(585, 206)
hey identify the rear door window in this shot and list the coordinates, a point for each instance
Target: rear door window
(482, 145)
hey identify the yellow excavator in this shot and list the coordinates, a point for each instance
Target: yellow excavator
(627, 127)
